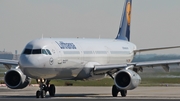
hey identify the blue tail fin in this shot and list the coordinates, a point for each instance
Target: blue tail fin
(124, 29)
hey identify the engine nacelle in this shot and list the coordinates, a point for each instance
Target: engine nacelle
(15, 79)
(127, 80)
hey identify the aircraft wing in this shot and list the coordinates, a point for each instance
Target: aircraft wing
(136, 66)
(155, 63)
(152, 49)
(103, 69)
(8, 63)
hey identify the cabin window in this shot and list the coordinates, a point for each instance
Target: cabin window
(101, 52)
(71, 52)
(88, 52)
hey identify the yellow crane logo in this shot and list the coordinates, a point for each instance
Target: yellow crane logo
(128, 13)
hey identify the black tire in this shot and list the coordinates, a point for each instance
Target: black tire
(52, 90)
(43, 94)
(115, 91)
(37, 94)
(123, 93)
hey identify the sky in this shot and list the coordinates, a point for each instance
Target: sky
(154, 23)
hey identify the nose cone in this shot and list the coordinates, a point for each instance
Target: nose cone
(31, 65)
(29, 61)
(36, 66)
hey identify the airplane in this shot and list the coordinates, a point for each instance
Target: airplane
(45, 59)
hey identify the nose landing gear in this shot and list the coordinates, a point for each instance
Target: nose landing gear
(44, 88)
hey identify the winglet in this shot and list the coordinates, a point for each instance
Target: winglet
(124, 30)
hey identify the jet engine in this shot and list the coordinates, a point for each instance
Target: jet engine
(127, 80)
(15, 79)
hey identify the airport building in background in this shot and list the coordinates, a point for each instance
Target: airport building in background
(9, 55)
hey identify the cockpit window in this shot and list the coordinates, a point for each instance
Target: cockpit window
(44, 52)
(27, 51)
(48, 52)
(36, 51)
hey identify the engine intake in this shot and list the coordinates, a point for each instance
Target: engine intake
(127, 80)
(15, 79)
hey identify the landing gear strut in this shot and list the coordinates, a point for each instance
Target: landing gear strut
(115, 92)
(44, 87)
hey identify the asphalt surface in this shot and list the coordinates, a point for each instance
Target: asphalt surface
(92, 94)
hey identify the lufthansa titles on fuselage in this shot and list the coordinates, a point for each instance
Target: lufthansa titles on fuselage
(64, 45)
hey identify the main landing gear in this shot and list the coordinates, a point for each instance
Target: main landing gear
(115, 92)
(44, 87)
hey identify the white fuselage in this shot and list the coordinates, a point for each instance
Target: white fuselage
(72, 58)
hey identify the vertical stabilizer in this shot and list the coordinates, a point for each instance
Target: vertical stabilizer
(124, 29)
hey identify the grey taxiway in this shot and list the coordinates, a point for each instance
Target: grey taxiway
(94, 93)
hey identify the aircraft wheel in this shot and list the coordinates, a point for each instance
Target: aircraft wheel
(52, 90)
(114, 91)
(37, 94)
(43, 94)
(123, 93)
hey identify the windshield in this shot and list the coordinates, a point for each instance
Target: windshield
(37, 51)
(27, 51)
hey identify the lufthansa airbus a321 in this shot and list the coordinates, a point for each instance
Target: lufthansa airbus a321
(45, 59)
